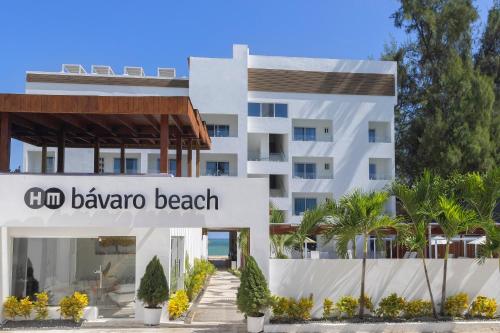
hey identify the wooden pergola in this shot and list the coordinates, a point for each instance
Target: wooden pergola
(103, 122)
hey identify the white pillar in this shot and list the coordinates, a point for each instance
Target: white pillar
(4, 268)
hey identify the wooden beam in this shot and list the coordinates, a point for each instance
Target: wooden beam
(164, 132)
(96, 155)
(44, 158)
(122, 158)
(178, 156)
(4, 142)
(197, 160)
(190, 158)
(61, 142)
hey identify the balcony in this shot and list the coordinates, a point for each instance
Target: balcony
(274, 163)
(379, 132)
(268, 125)
(225, 145)
(304, 185)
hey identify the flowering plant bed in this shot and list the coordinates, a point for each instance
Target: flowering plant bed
(350, 326)
(41, 324)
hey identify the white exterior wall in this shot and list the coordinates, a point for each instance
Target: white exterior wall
(219, 89)
(325, 278)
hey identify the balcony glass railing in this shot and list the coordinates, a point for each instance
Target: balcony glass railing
(273, 157)
(309, 176)
(379, 139)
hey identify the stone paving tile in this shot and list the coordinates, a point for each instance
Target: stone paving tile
(218, 303)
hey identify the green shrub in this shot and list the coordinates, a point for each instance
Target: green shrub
(25, 307)
(153, 289)
(391, 306)
(41, 305)
(368, 302)
(279, 306)
(483, 307)
(71, 307)
(253, 294)
(11, 307)
(300, 309)
(418, 308)
(327, 308)
(178, 304)
(196, 276)
(347, 305)
(455, 306)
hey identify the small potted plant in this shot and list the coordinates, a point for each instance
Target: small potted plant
(153, 292)
(253, 295)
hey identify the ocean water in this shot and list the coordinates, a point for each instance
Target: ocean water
(218, 247)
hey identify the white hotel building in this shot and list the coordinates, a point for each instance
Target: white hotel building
(317, 128)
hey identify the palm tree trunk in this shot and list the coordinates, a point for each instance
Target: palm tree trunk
(429, 285)
(363, 271)
(445, 270)
(354, 247)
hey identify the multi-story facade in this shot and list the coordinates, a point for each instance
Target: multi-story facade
(317, 128)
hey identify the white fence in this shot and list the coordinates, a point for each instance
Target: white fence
(334, 278)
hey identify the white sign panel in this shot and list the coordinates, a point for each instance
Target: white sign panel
(132, 201)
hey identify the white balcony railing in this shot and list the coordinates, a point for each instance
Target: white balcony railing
(273, 157)
(380, 177)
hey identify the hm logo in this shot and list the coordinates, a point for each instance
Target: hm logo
(36, 198)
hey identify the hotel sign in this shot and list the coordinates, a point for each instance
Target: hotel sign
(54, 198)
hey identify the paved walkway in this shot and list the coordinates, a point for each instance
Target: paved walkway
(218, 303)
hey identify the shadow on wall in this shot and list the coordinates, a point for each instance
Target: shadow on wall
(334, 278)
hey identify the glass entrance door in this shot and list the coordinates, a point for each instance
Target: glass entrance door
(176, 263)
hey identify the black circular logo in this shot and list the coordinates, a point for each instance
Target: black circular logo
(36, 198)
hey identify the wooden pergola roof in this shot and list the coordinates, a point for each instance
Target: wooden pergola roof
(114, 121)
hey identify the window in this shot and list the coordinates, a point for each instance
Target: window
(305, 170)
(172, 166)
(50, 164)
(304, 134)
(281, 110)
(218, 130)
(253, 109)
(130, 165)
(327, 166)
(217, 169)
(371, 135)
(64, 265)
(373, 171)
(303, 204)
(268, 110)
(327, 130)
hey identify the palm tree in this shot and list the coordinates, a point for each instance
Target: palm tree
(310, 220)
(481, 193)
(244, 244)
(453, 220)
(414, 200)
(363, 215)
(279, 242)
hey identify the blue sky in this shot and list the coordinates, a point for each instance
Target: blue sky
(42, 35)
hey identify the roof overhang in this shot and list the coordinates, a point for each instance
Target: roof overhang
(133, 121)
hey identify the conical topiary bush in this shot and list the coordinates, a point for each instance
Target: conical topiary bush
(153, 290)
(253, 294)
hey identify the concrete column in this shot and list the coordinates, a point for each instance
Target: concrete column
(4, 268)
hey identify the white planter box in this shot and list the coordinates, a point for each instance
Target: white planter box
(451, 326)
